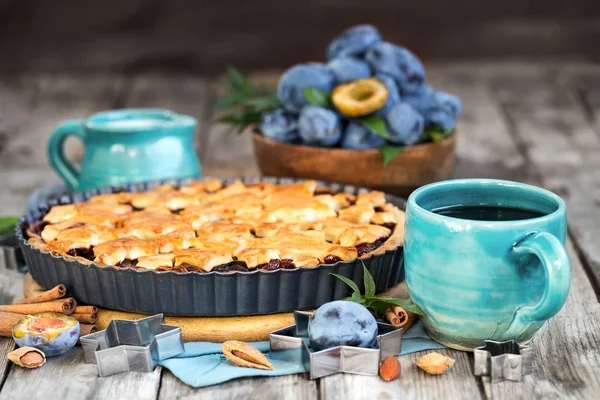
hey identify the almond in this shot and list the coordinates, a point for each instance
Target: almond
(244, 355)
(27, 357)
(390, 369)
(435, 363)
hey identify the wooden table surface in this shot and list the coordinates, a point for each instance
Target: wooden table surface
(537, 123)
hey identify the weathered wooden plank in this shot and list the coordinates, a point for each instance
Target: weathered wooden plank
(32, 107)
(274, 388)
(67, 377)
(60, 97)
(18, 97)
(19, 151)
(557, 137)
(561, 145)
(182, 93)
(485, 147)
(584, 188)
(566, 352)
(19, 184)
(584, 80)
(458, 383)
(11, 283)
(229, 153)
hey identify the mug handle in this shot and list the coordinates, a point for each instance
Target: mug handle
(56, 155)
(555, 262)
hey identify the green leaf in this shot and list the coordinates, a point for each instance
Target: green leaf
(240, 119)
(435, 134)
(348, 282)
(377, 304)
(437, 137)
(379, 307)
(316, 97)
(244, 102)
(369, 282)
(232, 100)
(7, 224)
(389, 153)
(357, 298)
(404, 303)
(376, 124)
(237, 80)
(265, 103)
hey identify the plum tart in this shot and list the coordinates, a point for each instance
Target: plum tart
(211, 226)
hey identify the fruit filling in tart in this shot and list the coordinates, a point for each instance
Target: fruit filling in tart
(209, 226)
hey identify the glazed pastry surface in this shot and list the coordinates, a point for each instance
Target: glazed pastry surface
(208, 226)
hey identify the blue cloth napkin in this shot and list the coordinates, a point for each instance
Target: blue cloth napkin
(203, 363)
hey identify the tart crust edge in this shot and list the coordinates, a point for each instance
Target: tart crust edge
(396, 239)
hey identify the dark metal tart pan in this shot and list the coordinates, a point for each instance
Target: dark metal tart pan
(206, 294)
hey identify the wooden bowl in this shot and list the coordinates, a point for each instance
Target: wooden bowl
(417, 166)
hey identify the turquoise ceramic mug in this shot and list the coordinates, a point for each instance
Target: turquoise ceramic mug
(485, 259)
(126, 146)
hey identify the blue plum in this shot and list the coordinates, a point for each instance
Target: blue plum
(393, 94)
(440, 119)
(422, 100)
(358, 136)
(399, 63)
(294, 80)
(348, 69)
(280, 125)
(353, 41)
(341, 323)
(405, 124)
(52, 333)
(444, 114)
(450, 103)
(319, 126)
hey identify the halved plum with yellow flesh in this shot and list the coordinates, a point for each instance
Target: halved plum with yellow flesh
(52, 333)
(360, 97)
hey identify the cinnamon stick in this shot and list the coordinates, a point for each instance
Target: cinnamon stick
(85, 318)
(64, 306)
(402, 315)
(86, 310)
(396, 316)
(7, 321)
(55, 293)
(392, 318)
(86, 329)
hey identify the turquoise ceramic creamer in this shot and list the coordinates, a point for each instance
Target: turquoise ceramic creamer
(126, 146)
(478, 279)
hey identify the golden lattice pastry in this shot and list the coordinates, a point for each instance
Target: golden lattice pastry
(212, 226)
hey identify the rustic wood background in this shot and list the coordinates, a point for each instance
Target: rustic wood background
(203, 36)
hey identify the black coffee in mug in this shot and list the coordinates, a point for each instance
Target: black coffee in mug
(488, 213)
(485, 259)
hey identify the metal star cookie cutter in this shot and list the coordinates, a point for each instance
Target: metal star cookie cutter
(132, 345)
(503, 360)
(291, 344)
(11, 256)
